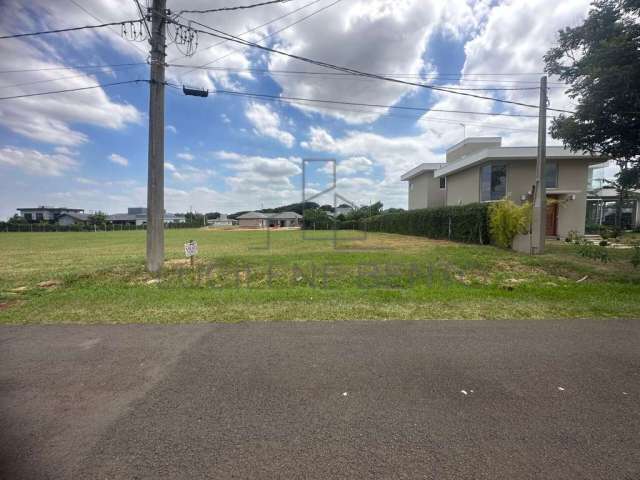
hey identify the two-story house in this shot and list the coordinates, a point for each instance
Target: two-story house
(480, 169)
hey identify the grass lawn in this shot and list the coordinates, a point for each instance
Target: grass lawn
(100, 278)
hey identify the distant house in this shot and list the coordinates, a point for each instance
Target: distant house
(138, 216)
(264, 220)
(253, 219)
(46, 214)
(285, 219)
(222, 221)
(73, 218)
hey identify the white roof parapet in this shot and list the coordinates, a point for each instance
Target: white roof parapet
(509, 153)
(475, 141)
(423, 167)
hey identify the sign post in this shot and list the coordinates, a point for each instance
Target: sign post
(190, 250)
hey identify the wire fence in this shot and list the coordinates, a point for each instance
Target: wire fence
(48, 227)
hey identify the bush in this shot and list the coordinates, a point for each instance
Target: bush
(635, 256)
(466, 223)
(603, 243)
(506, 220)
(589, 250)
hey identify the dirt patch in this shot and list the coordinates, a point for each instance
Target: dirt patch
(50, 284)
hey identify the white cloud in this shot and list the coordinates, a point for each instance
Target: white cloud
(171, 128)
(266, 122)
(169, 166)
(185, 156)
(190, 174)
(260, 179)
(52, 118)
(35, 162)
(118, 159)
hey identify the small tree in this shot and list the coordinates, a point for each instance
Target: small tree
(98, 219)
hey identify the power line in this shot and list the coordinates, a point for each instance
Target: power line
(343, 76)
(255, 28)
(100, 20)
(228, 9)
(61, 30)
(72, 89)
(343, 102)
(72, 67)
(223, 35)
(23, 84)
(315, 12)
(142, 17)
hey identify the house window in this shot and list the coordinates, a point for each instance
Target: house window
(28, 217)
(443, 182)
(551, 174)
(493, 182)
(39, 217)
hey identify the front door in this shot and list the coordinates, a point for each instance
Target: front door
(552, 217)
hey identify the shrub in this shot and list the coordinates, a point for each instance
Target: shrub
(589, 250)
(466, 223)
(506, 220)
(603, 243)
(635, 256)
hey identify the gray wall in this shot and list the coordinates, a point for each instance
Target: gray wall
(425, 192)
(464, 187)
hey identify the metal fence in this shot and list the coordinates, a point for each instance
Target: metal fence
(46, 227)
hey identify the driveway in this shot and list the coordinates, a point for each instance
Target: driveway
(434, 400)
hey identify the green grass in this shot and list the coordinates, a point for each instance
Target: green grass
(100, 278)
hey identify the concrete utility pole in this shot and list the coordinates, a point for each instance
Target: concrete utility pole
(539, 223)
(155, 182)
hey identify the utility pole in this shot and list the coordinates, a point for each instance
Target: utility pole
(155, 182)
(538, 233)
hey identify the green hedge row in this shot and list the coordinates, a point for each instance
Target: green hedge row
(466, 223)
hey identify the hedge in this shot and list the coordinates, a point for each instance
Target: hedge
(466, 223)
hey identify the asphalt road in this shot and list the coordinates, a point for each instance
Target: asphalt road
(434, 400)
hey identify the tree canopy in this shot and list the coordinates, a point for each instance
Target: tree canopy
(600, 60)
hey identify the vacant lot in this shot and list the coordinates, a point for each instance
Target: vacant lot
(100, 278)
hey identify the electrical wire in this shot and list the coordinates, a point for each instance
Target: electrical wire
(112, 84)
(344, 77)
(61, 30)
(224, 35)
(315, 12)
(342, 102)
(23, 84)
(142, 17)
(228, 9)
(73, 67)
(114, 31)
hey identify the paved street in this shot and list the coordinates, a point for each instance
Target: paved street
(435, 400)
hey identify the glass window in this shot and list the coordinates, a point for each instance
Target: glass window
(551, 174)
(493, 182)
(39, 217)
(443, 182)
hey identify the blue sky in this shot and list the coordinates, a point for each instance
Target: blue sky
(225, 153)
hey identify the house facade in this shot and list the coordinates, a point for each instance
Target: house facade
(138, 216)
(603, 199)
(266, 220)
(480, 169)
(46, 214)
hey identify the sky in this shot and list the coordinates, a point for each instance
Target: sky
(88, 149)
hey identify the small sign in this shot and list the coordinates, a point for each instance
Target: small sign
(191, 248)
